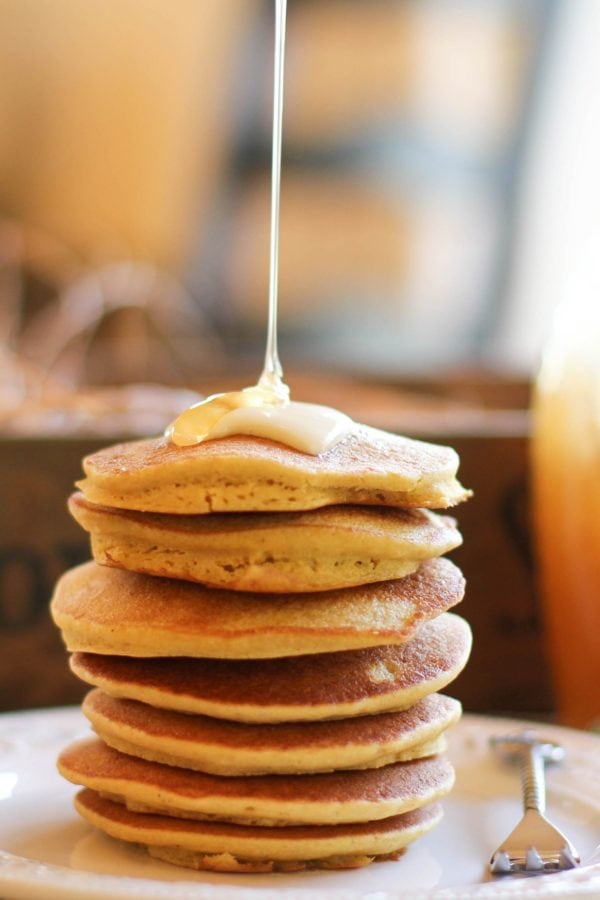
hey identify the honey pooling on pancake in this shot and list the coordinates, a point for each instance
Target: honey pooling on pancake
(265, 629)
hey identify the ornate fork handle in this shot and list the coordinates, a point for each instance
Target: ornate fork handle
(533, 779)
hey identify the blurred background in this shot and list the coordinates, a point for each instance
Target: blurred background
(429, 148)
(439, 176)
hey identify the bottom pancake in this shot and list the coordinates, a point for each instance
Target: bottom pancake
(267, 801)
(238, 848)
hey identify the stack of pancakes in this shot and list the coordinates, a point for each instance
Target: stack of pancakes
(265, 633)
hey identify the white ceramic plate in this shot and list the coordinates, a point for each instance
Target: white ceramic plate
(48, 853)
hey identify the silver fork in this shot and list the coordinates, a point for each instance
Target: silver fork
(535, 846)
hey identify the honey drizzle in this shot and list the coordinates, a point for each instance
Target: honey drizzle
(271, 378)
(265, 409)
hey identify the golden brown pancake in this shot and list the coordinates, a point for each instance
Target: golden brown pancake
(235, 748)
(245, 474)
(104, 610)
(268, 801)
(302, 688)
(227, 847)
(324, 549)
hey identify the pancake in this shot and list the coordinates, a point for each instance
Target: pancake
(332, 547)
(227, 847)
(245, 474)
(105, 610)
(268, 801)
(291, 689)
(236, 748)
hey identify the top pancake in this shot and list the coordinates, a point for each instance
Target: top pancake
(245, 474)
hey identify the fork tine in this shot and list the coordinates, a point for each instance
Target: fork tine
(568, 858)
(533, 860)
(500, 863)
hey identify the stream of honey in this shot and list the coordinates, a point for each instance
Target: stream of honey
(265, 409)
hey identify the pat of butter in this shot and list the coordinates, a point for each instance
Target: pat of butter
(308, 427)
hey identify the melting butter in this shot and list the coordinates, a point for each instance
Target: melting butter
(305, 426)
(256, 411)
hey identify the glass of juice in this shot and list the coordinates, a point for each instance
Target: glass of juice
(566, 494)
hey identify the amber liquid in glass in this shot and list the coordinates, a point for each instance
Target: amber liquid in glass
(566, 481)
